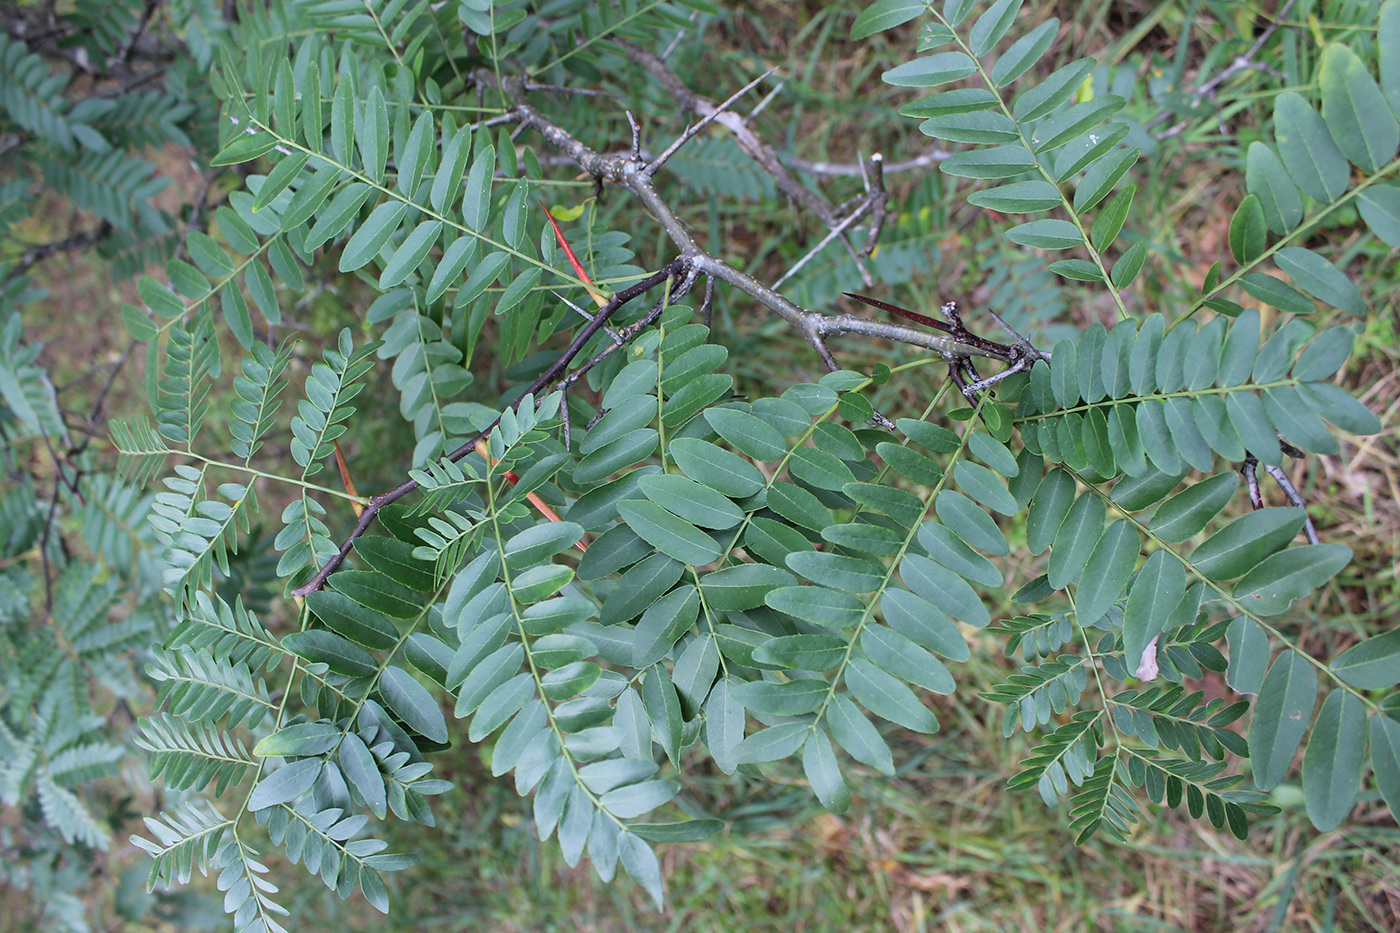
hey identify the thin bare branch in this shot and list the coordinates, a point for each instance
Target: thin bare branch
(705, 121)
(814, 327)
(876, 197)
(932, 157)
(584, 314)
(832, 234)
(748, 140)
(1294, 498)
(1243, 62)
(636, 137)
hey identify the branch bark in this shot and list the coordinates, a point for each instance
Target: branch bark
(629, 172)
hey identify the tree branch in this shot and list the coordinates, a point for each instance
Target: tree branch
(630, 173)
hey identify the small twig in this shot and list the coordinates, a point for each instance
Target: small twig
(878, 197)
(932, 157)
(1294, 498)
(37, 254)
(704, 121)
(568, 427)
(345, 478)
(680, 35)
(636, 137)
(584, 314)
(130, 45)
(1251, 480)
(832, 234)
(707, 307)
(748, 141)
(1021, 340)
(579, 270)
(1243, 62)
(626, 336)
(767, 99)
(981, 384)
(574, 91)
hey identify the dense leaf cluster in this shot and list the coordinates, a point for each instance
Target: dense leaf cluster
(637, 570)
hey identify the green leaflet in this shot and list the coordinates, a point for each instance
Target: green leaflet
(861, 740)
(1282, 712)
(1355, 111)
(1373, 664)
(1270, 587)
(1319, 278)
(1075, 539)
(1244, 543)
(884, 14)
(931, 70)
(887, 697)
(1159, 586)
(1385, 758)
(1332, 764)
(824, 774)
(285, 784)
(663, 623)
(412, 703)
(1249, 655)
(671, 535)
(1307, 149)
(367, 241)
(1106, 571)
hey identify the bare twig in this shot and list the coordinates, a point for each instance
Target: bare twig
(832, 234)
(636, 136)
(570, 91)
(768, 98)
(37, 254)
(705, 121)
(749, 141)
(877, 197)
(1294, 498)
(584, 314)
(1251, 480)
(679, 36)
(932, 157)
(1241, 63)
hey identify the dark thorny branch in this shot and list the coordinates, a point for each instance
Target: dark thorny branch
(679, 269)
(37, 254)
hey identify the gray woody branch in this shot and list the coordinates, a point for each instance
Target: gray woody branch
(630, 172)
(873, 203)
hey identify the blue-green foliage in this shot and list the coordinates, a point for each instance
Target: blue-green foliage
(80, 575)
(763, 577)
(739, 580)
